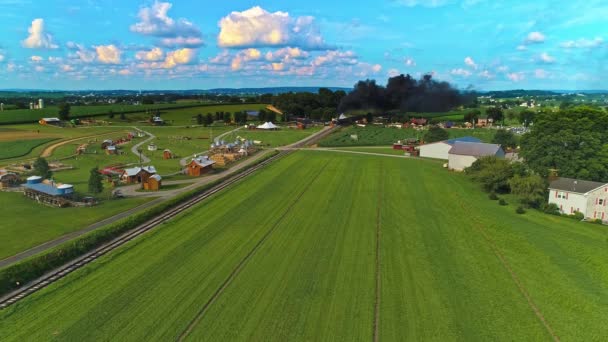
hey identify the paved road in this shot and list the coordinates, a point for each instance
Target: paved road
(134, 149)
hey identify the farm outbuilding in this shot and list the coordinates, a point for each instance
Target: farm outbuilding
(464, 154)
(440, 149)
(152, 147)
(153, 183)
(48, 193)
(138, 174)
(8, 179)
(167, 154)
(111, 150)
(200, 166)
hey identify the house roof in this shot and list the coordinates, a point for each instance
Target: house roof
(48, 189)
(157, 177)
(474, 149)
(203, 161)
(463, 139)
(574, 185)
(135, 170)
(51, 119)
(7, 175)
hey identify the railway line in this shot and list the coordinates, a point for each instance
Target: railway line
(59, 273)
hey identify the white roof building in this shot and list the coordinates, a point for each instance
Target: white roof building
(464, 154)
(268, 125)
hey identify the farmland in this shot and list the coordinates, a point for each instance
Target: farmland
(374, 135)
(12, 149)
(332, 246)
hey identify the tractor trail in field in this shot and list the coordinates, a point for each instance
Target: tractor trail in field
(235, 272)
(520, 286)
(378, 261)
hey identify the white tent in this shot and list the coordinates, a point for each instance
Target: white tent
(342, 117)
(268, 125)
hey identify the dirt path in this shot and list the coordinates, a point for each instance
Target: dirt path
(134, 149)
(48, 151)
(235, 272)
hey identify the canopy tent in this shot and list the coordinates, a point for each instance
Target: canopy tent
(268, 125)
(342, 117)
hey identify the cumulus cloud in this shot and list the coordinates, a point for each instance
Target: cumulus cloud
(257, 27)
(36, 59)
(2, 57)
(546, 58)
(393, 73)
(535, 38)
(156, 54)
(486, 74)
(81, 53)
(278, 66)
(178, 57)
(38, 38)
(67, 68)
(516, 76)
(125, 72)
(336, 58)
(286, 54)
(410, 62)
(155, 22)
(424, 3)
(522, 48)
(470, 62)
(540, 73)
(108, 54)
(460, 72)
(583, 43)
(376, 68)
(245, 56)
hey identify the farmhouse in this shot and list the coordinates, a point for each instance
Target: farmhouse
(8, 179)
(464, 154)
(199, 166)
(440, 149)
(575, 195)
(138, 174)
(48, 193)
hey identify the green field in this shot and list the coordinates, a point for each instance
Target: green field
(321, 245)
(388, 150)
(282, 137)
(28, 224)
(375, 136)
(13, 149)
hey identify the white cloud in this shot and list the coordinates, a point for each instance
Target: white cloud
(286, 53)
(156, 54)
(376, 67)
(67, 68)
(155, 22)
(540, 73)
(535, 38)
(222, 58)
(257, 27)
(470, 62)
(36, 59)
(278, 66)
(393, 73)
(39, 68)
(546, 58)
(38, 39)
(516, 76)
(336, 58)
(108, 54)
(410, 62)
(486, 74)
(522, 48)
(2, 57)
(81, 53)
(460, 72)
(245, 56)
(502, 68)
(179, 57)
(424, 3)
(583, 43)
(125, 72)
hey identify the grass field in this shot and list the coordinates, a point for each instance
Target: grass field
(374, 135)
(13, 149)
(282, 137)
(28, 224)
(322, 245)
(388, 150)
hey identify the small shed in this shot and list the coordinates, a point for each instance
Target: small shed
(8, 179)
(152, 147)
(111, 149)
(167, 154)
(200, 166)
(138, 174)
(153, 183)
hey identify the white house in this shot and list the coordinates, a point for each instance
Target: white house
(586, 197)
(464, 154)
(440, 149)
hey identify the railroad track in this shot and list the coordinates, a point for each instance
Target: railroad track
(98, 252)
(95, 254)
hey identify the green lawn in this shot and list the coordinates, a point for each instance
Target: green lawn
(13, 149)
(375, 135)
(374, 149)
(282, 137)
(27, 224)
(297, 243)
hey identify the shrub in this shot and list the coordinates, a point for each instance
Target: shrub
(520, 210)
(492, 196)
(502, 202)
(577, 216)
(597, 221)
(550, 208)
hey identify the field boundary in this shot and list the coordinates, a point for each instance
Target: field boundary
(378, 273)
(520, 286)
(235, 272)
(47, 141)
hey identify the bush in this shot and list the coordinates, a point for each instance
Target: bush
(502, 202)
(520, 210)
(492, 196)
(491, 173)
(597, 221)
(550, 208)
(577, 216)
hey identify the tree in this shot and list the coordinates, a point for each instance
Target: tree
(95, 181)
(435, 133)
(227, 118)
(492, 173)
(526, 117)
(530, 189)
(208, 119)
(199, 119)
(271, 116)
(64, 111)
(262, 115)
(111, 114)
(369, 117)
(495, 113)
(505, 138)
(42, 168)
(573, 141)
(472, 116)
(123, 116)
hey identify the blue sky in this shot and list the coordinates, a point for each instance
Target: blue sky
(103, 44)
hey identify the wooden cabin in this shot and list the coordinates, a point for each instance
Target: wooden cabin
(200, 166)
(138, 174)
(167, 154)
(153, 183)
